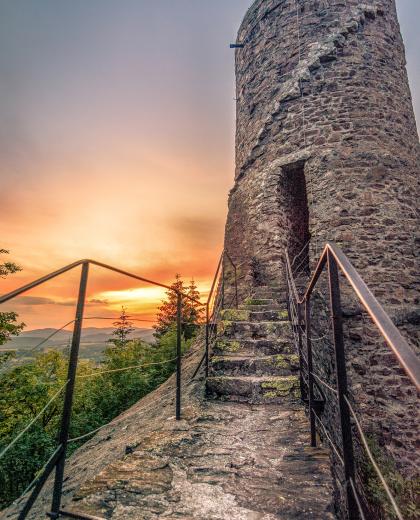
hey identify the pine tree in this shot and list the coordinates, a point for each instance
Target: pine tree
(166, 316)
(191, 314)
(123, 327)
(193, 310)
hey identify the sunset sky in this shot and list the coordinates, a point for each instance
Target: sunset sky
(117, 143)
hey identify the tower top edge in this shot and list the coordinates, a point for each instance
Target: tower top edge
(254, 13)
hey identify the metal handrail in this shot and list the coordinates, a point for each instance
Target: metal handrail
(299, 307)
(59, 457)
(218, 304)
(399, 345)
(20, 290)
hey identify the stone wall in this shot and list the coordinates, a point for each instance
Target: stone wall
(340, 102)
(322, 87)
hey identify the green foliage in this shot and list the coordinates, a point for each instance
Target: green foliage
(191, 312)
(7, 268)
(129, 370)
(102, 392)
(9, 325)
(405, 492)
(6, 356)
(123, 329)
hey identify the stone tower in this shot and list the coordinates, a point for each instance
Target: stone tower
(326, 142)
(327, 149)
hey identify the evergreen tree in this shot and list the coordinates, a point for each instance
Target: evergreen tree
(123, 327)
(166, 316)
(191, 313)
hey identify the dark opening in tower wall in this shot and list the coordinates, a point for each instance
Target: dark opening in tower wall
(294, 219)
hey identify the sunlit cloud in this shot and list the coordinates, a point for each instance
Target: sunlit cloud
(117, 145)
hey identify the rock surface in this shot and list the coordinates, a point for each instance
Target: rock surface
(223, 460)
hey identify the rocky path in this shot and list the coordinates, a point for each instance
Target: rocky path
(233, 462)
(240, 452)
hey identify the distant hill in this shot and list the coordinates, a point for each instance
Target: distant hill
(92, 344)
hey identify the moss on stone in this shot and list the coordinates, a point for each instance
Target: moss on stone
(285, 360)
(282, 387)
(228, 346)
(253, 301)
(270, 395)
(234, 315)
(224, 327)
(281, 361)
(283, 315)
(294, 359)
(272, 327)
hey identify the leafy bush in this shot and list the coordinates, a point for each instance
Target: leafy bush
(106, 392)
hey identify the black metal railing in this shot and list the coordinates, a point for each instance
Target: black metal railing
(58, 458)
(222, 295)
(299, 309)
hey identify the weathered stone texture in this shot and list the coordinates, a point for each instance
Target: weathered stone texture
(221, 461)
(339, 102)
(322, 90)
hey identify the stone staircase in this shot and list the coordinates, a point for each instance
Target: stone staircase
(253, 359)
(243, 455)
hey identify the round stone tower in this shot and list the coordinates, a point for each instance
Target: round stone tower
(327, 150)
(326, 142)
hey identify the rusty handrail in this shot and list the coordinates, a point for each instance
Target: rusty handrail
(398, 344)
(334, 261)
(211, 317)
(58, 461)
(20, 290)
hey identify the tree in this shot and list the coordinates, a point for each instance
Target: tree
(9, 325)
(124, 327)
(167, 312)
(193, 311)
(191, 314)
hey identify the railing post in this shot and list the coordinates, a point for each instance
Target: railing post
(178, 356)
(236, 286)
(287, 292)
(68, 397)
(223, 283)
(341, 376)
(310, 370)
(300, 347)
(207, 340)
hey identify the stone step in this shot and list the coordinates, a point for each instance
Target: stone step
(252, 347)
(253, 315)
(268, 315)
(280, 364)
(253, 389)
(258, 308)
(260, 301)
(254, 330)
(270, 292)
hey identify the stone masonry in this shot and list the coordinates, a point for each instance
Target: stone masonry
(323, 85)
(327, 149)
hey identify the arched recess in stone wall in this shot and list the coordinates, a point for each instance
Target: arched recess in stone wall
(294, 213)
